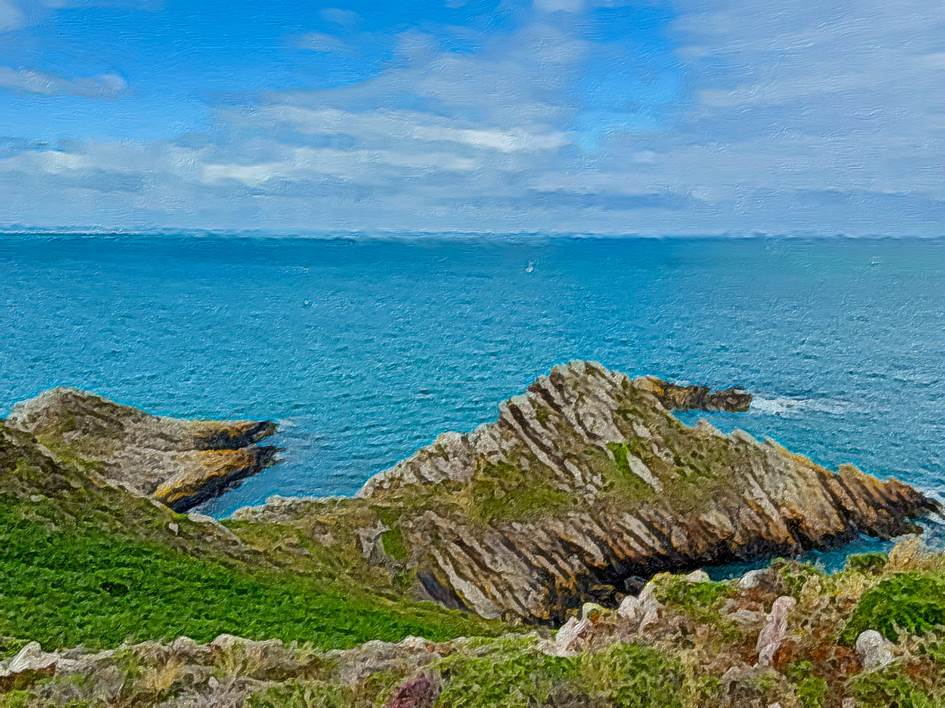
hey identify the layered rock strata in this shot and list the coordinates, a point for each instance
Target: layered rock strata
(586, 485)
(178, 462)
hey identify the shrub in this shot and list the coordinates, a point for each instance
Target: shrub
(911, 602)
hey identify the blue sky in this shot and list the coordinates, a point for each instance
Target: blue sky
(654, 117)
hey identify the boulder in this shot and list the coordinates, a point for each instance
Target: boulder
(874, 649)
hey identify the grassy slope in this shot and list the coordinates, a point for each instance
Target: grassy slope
(82, 563)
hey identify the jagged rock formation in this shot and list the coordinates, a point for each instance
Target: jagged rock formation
(683, 398)
(587, 484)
(179, 462)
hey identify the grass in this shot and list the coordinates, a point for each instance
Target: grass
(513, 673)
(302, 694)
(632, 675)
(507, 673)
(82, 586)
(503, 492)
(912, 602)
(882, 689)
(625, 482)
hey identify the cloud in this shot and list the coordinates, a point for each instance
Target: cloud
(321, 42)
(559, 5)
(784, 117)
(335, 15)
(11, 16)
(29, 81)
(384, 126)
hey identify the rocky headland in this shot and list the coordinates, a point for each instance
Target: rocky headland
(548, 558)
(586, 486)
(179, 462)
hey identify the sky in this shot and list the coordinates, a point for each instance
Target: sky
(648, 117)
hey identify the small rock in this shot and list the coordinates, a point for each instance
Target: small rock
(634, 584)
(30, 658)
(630, 608)
(184, 645)
(698, 576)
(420, 692)
(752, 579)
(775, 629)
(649, 606)
(174, 528)
(572, 633)
(874, 650)
(223, 642)
(592, 612)
(746, 617)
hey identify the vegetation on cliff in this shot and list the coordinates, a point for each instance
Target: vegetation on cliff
(585, 489)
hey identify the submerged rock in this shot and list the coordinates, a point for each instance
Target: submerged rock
(588, 482)
(179, 462)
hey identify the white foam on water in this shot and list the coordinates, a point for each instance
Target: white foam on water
(790, 407)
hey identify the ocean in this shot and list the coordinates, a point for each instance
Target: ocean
(366, 348)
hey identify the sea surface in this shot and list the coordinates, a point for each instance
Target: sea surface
(364, 349)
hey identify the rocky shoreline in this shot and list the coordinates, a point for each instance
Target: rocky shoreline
(180, 463)
(587, 485)
(557, 545)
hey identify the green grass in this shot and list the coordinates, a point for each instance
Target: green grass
(513, 673)
(811, 689)
(911, 602)
(503, 492)
(302, 694)
(867, 563)
(882, 689)
(622, 479)
(633, 676)
(82, 586)
(394, 545)
(507, 673)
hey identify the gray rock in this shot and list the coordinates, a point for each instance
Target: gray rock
(30, 658)
(874, 650)
(775, 630)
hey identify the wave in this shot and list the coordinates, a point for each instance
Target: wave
(790, 407)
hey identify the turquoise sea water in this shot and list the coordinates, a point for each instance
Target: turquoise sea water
(365, 349)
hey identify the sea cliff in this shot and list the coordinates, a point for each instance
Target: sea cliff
(550, 557)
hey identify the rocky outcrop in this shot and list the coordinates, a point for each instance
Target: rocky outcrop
(179, 462)
(686, 641)
(684, 398)
(587, 484)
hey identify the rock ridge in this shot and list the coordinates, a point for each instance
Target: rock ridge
(587, 484)
(181, 463)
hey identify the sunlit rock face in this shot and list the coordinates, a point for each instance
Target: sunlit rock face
(586, 484)
(179, 462)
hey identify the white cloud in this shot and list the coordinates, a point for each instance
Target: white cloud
(345, 18)
(29, 81)
(382, 126)
(11, 16)
(801, 115)
(321, 42)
